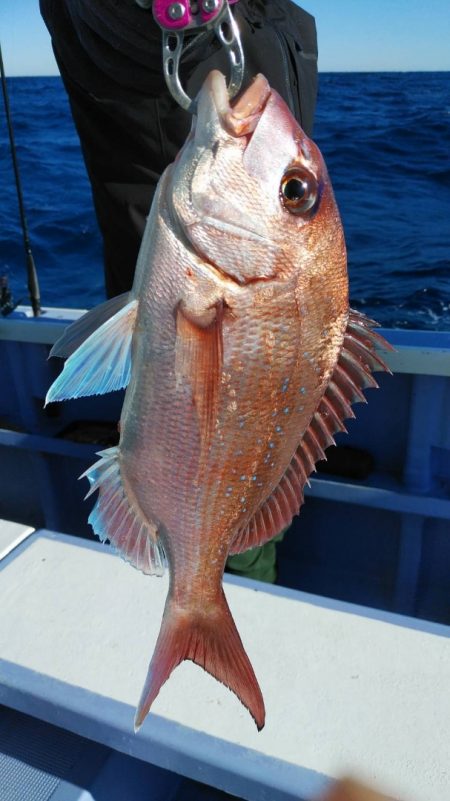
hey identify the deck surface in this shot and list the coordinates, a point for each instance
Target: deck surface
(11, 535)
(347, 689)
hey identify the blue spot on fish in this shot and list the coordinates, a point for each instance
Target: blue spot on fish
(286, 410)
(271, 444)
(278, 429)
(242, 478)
(285, 385)
(302, 390)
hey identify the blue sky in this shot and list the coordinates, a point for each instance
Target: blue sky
(353, 35)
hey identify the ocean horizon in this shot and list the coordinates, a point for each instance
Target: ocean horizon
(383, 136)
(321, 72)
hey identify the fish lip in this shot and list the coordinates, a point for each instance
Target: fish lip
(241, 117)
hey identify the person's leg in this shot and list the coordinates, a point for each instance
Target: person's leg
(124, 160)
(130, 129)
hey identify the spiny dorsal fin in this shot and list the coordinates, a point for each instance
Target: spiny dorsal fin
(115, 519)
(353, 373)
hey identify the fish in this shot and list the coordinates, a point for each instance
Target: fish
(241, 359)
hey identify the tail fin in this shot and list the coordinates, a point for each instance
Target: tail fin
(212, 641)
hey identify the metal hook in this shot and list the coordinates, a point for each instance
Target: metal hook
(226, 30)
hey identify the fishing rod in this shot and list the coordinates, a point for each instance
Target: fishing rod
(33, 283)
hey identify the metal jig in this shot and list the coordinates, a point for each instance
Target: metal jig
(175, 17)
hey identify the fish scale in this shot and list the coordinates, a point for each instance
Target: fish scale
(241, 360)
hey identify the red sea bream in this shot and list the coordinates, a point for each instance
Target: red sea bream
(241, 357)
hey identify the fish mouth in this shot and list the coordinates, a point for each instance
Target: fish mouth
(241, 117)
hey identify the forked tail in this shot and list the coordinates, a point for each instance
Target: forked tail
(211, 640)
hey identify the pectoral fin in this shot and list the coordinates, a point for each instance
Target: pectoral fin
(102, 363)
(198, 360)
(77, 333)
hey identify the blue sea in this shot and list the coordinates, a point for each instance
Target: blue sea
(385, 138)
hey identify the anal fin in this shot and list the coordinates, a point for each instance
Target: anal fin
(115, 519)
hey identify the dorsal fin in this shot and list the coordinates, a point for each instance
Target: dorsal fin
(353, 373)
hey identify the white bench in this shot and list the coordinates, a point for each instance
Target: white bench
(347, 689)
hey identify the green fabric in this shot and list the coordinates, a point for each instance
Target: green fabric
(258, 563)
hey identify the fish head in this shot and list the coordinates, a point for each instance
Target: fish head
(250, 190)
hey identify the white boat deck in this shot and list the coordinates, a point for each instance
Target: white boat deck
(347, 689)
(11, 535)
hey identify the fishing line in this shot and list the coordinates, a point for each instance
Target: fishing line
(33, 283)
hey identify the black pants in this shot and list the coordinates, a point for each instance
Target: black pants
(130, 129)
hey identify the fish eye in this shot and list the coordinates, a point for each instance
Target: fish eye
(298, 190)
